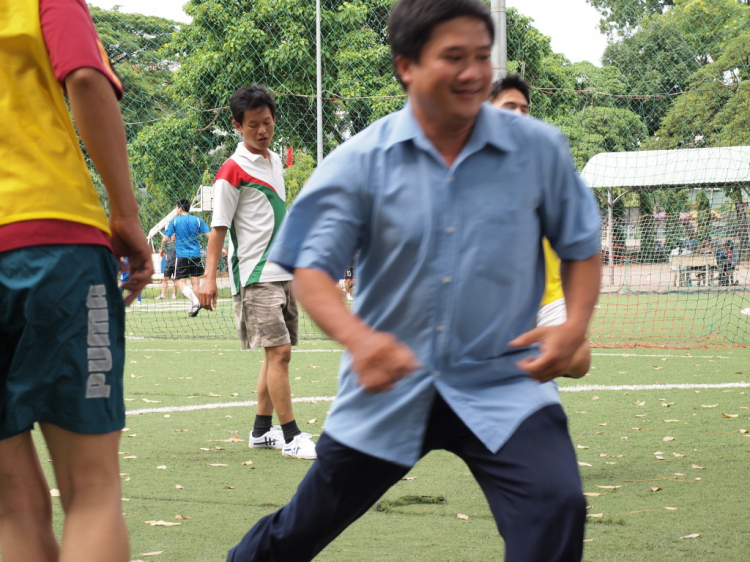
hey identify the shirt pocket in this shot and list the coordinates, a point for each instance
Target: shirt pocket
(506, 240)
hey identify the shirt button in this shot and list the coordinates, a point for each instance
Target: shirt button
(450, 229)
(436, 373)
(439, 328)
(446, 279)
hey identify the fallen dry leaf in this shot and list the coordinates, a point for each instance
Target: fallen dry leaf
(183, 517)
(217, 464)
(595, 398)
(54, 492)
(655, 488)
(151, 401)
(247, 463)
(589, 540)
(693, 536)
(668, 438)
(595, 515)
(709, 405)
(641, 403)
(656, 368)
(463, 517)
(409, 478)
(312, 420)
(730, 415)
(671, 508)
(609, 487)
(179, 487)
(161, 467)
(591, 494)
(212, 395)
(162, 523)
(232, 439)
(670, 421)
(582, 447)
(130, 457)
(583, 463)
(696, 467)
(155, 553)
(678, 455)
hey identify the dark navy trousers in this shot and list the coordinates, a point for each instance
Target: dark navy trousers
(532, 486)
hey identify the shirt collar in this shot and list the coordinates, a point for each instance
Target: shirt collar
(492, 127)
(244, 152)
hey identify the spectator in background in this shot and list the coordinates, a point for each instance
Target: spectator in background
(168, 252)
(187, 230)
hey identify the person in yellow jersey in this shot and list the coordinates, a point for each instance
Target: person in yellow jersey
(62, 317)
(512, 93)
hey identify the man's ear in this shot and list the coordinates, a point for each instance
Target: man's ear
(404, 69)
(237, 126)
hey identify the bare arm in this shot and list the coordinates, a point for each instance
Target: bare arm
(99, 122)
(560, 343)
(209, 293)
(379, 359)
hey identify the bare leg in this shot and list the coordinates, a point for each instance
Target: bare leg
(88, 475)
(265, 405)
(25, 506)
(164, 286)
(277, 381)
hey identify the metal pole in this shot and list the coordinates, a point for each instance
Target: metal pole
(319, 80)
(500, 48)
(610, 226)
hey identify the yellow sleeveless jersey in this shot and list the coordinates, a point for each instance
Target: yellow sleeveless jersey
(44, 175)
(553, 283)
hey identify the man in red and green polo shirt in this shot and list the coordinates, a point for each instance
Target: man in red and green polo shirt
(250, 202)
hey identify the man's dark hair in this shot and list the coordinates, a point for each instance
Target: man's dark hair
(184, 204)
(411, 22)
(510, 82)
(248, 98)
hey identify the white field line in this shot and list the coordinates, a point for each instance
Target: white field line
(241, 350)
(660, 355)
(340, 350)
(576, 388)
(220, 405)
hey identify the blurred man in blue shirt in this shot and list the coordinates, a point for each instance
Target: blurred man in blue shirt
(447, 202)
(186, 229)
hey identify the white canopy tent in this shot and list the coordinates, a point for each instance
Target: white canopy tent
(677, 169)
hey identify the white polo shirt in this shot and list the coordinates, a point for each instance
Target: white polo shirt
(250, 200)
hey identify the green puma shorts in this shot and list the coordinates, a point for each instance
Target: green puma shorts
(62, 339)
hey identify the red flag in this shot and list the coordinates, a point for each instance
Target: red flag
(289, 157)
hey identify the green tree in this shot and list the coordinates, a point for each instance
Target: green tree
(661, 57)
(296, 177)
(703, 220)
(133, 43)
(621, 17)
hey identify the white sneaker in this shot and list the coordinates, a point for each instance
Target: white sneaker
(301, 447)
(174, 296)
(271, 439)
(159, 298)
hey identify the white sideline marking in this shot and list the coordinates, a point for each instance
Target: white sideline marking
(589, 387)
(313, 399)
(341, 350)
(168, 409)
(660, 355)
(240, 350)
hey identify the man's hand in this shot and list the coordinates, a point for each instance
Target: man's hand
(129, 241)
(209, 294)
(380, 360)
(558, 344)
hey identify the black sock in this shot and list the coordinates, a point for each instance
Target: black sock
(290, 430)
(262, 425)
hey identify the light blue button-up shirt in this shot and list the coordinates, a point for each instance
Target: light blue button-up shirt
(450, 262)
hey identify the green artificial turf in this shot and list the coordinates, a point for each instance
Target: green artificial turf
(619, 433)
